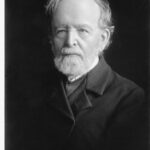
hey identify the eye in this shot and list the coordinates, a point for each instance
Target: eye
(61, 33)
(82, 30)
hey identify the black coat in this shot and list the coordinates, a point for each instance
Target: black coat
(111, 116)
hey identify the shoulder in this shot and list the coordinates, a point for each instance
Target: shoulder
(128, 124)
(125, 87)
(131, 104)
(123, 95)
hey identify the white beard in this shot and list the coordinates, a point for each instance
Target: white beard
(70, 65)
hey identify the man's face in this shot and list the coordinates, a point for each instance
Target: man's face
(77, 39)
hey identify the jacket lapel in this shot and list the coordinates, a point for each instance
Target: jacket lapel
(100, 77)
(59, 101)
(96, 82)
(79, 99)
(82, 102)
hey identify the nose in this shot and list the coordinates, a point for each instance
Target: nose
(71, 38)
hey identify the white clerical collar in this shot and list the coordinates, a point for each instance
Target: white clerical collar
(72, 79)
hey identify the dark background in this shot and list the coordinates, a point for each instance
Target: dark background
(28, 55)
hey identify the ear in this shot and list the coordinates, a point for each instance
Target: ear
(105, 36)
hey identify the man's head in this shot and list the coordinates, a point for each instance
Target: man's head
(81, 30)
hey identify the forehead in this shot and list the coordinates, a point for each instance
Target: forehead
(76, 12)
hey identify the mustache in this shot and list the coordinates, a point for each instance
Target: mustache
(70, 51)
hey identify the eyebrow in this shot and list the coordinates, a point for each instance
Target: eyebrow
(59, 27)
(76, 26)
(84, 26)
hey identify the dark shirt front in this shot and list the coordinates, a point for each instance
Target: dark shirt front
(107, 113)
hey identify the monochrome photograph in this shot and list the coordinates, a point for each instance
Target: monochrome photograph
(77, 75)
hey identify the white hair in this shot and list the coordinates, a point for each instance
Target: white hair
(105, 20)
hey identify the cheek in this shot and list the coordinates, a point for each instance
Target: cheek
(93, 47)
(97, 42)
(57, 46)
(57, 43)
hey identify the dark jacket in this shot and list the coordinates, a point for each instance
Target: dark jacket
(111, 116)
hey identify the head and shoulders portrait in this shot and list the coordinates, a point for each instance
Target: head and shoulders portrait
(77, 75)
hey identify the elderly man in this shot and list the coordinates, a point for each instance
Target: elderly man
(86, 106)
(91, 107)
